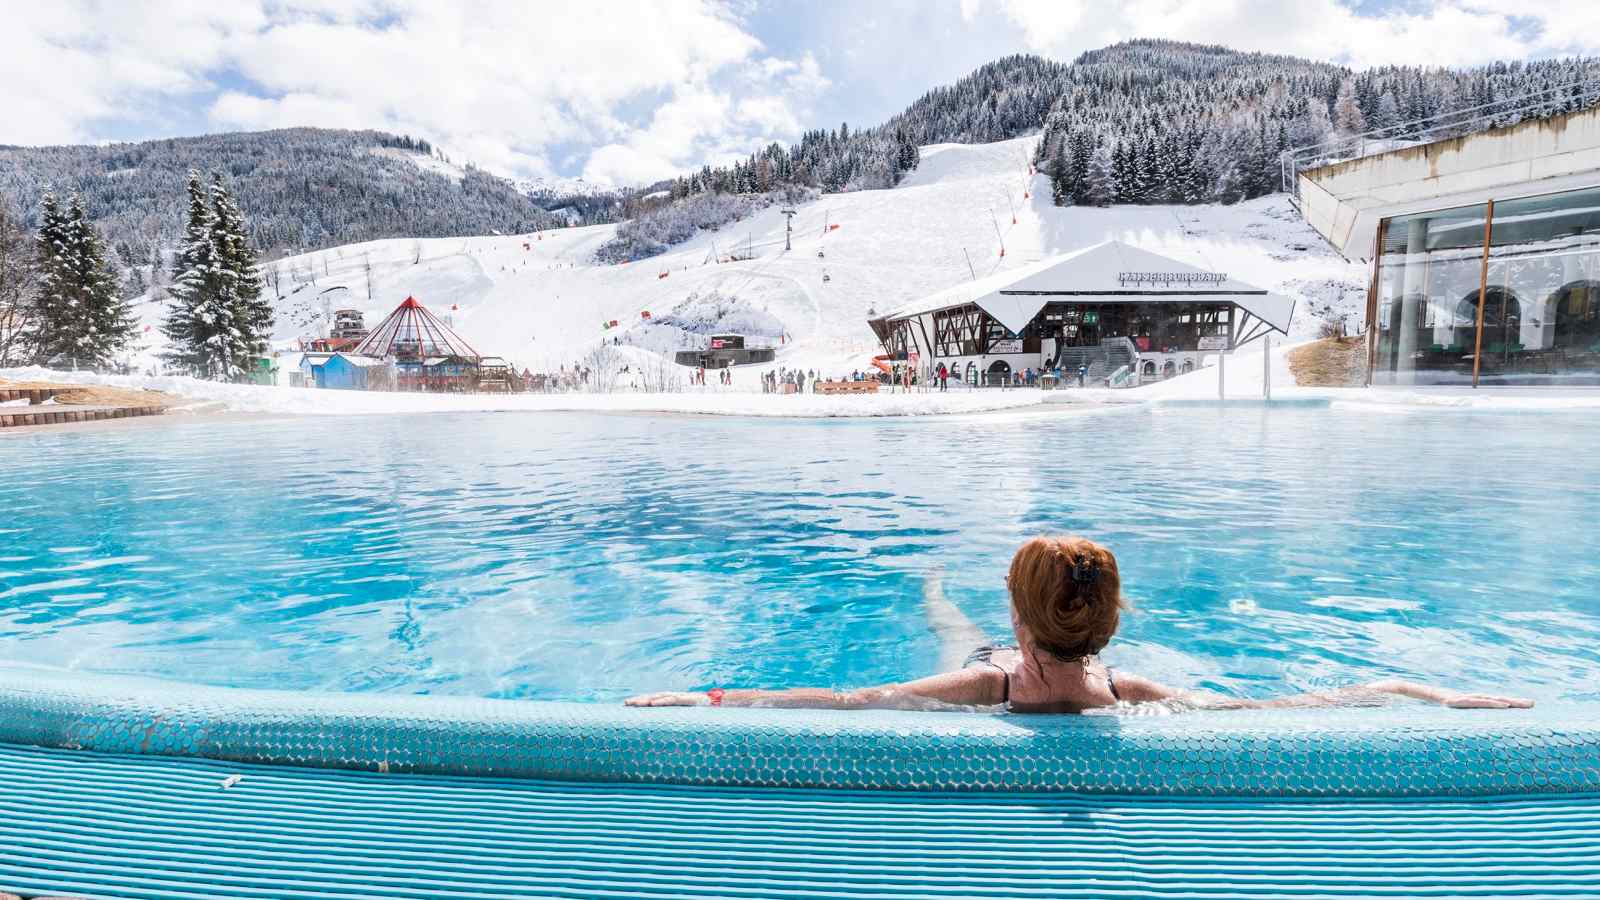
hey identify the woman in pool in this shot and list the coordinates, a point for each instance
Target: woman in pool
(1066, 603)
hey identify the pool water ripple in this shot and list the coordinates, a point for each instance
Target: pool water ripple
(574, 556)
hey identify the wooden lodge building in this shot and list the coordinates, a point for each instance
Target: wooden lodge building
(1130, 316)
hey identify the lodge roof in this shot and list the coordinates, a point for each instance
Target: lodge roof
(1108, 272)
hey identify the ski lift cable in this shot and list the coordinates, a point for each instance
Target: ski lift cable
(1198, 250)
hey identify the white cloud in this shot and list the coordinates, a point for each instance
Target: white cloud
(501, 83)
(65, 66)
(1447, 32)
(632, 90)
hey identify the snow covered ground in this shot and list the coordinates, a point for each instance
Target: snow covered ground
(208, 396)
(1243, 377)
(541, 301)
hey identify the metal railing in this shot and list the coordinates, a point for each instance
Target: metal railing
(1571, 96)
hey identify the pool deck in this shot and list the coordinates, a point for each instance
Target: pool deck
(140, 827)
(38, 405)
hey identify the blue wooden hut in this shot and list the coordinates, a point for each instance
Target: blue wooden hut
(353, 373)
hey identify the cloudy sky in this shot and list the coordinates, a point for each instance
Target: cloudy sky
(633, 90)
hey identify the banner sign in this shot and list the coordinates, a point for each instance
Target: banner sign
(1006, 345)
(1166, 279)
(1214, 342)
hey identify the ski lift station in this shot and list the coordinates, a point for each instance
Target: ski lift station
(724, 350)
(1126, 315)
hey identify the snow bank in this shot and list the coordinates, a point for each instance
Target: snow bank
(311, 401)
(1243, 383)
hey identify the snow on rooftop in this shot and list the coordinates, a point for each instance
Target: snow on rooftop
(1108, 272)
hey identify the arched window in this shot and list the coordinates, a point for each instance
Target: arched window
(1502, 307)
(1149, 369)
(1574, 312)
(1188, 366)
(999, 372)
(1502, 320)
(1169, 369)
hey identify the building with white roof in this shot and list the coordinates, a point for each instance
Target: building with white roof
(1124, 314)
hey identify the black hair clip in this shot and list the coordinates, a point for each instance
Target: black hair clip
(1085, 570)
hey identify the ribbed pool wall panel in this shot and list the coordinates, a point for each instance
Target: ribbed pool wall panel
(151, 827)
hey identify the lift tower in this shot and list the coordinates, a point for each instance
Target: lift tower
(788, 227)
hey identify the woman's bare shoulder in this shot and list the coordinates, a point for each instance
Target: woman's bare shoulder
(1007, 658)
(1133, 688)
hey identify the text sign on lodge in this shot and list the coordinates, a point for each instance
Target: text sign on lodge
(1165, 279)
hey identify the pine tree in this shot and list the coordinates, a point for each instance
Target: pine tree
(1102, 184)
(104, 324)
(1062, 189)
(1144, 172)
(51, 334)
(82, 319)
(196, 320)
(1347, 111)
(1198, 178)
(1172, 168)
(252, 314)
(134, 285)
(1387, 114)
(1121, 174)
(1078, 166)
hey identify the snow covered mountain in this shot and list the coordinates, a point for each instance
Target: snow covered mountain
(299, 187)
(1141, 121)
(540, 299)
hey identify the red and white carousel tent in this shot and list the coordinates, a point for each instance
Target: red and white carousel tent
(413, 334)
(427, 354)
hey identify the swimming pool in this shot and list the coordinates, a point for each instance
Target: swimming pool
(295, 657)
(586, 557)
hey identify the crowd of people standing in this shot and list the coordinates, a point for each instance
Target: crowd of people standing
(574, 378)
(787, 381)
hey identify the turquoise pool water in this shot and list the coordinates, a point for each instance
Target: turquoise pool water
(585, 557)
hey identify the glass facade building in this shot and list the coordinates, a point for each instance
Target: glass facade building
(1502, 292)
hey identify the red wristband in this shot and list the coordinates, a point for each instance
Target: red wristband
(716, 696)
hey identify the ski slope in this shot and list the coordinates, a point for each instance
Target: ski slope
(541, 300)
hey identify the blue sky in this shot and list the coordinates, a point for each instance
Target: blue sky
(633, 90)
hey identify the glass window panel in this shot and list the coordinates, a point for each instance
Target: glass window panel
(1428, 266)
(1541, 316)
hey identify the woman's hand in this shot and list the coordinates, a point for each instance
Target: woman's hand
(669, 698)
(1448, 697)
(1487, 701)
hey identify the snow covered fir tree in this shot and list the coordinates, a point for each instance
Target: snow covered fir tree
(1184, 123)
(79, 318)
(217, 320)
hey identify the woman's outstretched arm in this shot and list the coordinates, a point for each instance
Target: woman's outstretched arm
(1346, 696)
(1447, 697)
(964, 687)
